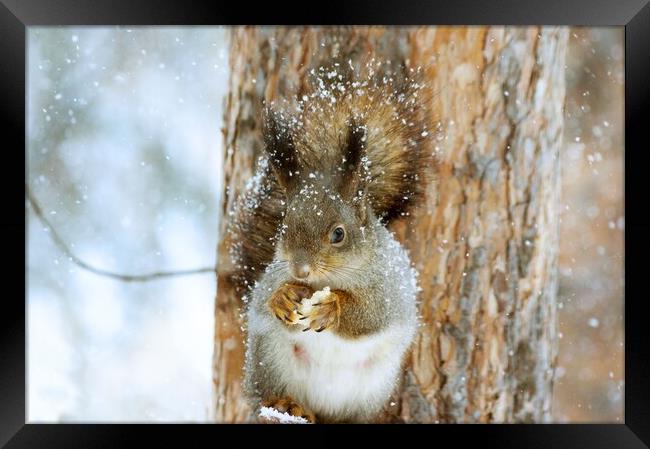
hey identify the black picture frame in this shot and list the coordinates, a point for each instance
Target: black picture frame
(16, 15)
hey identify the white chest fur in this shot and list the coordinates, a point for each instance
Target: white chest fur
(339, 377)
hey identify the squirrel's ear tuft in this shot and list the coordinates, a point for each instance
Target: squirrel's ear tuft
(352, 170)
(279, 146)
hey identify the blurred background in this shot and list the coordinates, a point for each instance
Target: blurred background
(124, 156)
(124, 153)
(589, 385)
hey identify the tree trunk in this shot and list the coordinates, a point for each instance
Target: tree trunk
(486, 240)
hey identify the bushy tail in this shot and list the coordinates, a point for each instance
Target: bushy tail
(256, 217)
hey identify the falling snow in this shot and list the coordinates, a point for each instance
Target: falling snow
(129, 177)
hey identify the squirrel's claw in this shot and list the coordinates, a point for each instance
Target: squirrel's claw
(285, 301)
(326, 316)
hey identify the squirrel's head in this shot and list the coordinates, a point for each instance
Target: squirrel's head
(327, 226)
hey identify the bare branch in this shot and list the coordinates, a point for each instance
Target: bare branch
(101, 272)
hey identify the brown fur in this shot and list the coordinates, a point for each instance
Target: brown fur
(253, 231)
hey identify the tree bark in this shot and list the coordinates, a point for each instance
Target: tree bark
(485, 241)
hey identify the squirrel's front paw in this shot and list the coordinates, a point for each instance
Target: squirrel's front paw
(323, 313)
(285, 301)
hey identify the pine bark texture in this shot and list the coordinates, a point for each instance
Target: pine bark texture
(485, 242)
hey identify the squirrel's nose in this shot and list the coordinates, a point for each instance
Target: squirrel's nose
(301, 271)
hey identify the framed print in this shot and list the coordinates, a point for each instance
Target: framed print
(429, 214)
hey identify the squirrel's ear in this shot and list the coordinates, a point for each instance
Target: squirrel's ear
(279, 146)
(352, 170)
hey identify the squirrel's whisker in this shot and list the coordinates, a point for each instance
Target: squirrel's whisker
(325, 273)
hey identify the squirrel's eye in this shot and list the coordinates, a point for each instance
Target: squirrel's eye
(337, 236)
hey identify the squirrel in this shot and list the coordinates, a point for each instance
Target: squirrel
(331, 296)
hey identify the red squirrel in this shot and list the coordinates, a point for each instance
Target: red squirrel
(332, 296)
